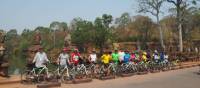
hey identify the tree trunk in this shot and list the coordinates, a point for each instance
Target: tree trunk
(179, 20)
(101, 50)
(180, 37)
(161, 37)
(161, 33)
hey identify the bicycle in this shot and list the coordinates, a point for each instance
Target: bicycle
(101, 71)
(35, 75)
(62, 73)
(110, 70)
(78, 71)
(142, 67)
(92, 69)
(127, 68)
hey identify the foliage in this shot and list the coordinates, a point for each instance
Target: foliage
(101, 33)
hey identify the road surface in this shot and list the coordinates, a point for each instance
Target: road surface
(182, 78)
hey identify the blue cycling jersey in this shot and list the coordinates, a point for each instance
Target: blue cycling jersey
(162, 56)
(126, 58)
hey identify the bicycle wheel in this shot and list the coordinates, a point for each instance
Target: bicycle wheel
(27, 76)
(82, 72)
(91, 71)
(43, 75)
(112, 71)
(65, 76)
(52, 76)
(101, 72)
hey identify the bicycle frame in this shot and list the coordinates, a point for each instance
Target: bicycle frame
(79, 70)
(40, 71)
(112, 66)
(60, 71)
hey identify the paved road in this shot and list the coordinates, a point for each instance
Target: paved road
(183, 78)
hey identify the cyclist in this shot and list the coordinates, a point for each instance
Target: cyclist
(105, 58)
(75, 57)
(156, 56)
(40, 61)
(92, 60)
(115, 56)
(137, 57)
(121, 55)
(93, 57)
(132, 56)
(126, 57)
(166, 57)
(63, 59)
(162, 56)
(144, 57)
(149, 55)
(40, 58)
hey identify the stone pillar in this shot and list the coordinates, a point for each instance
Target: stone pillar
(67, 40)
(3, 62)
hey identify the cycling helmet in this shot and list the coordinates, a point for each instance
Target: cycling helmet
(65, 49)
(144, 53)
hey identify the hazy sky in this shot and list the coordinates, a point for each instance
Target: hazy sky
(20, 14)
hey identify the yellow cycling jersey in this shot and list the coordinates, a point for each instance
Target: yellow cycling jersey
(105, 58)
(144, 57)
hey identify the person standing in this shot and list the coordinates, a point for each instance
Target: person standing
(132, 56)
(105, 58)
(40, 61)
(121, 55)
(156, 56)
(126, 57)
(63, 58)
(93, 57)
(75, 57)
(115, 57)
(40, 58)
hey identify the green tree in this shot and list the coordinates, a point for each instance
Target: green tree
(102, 31)
(12, 43)
(123, 20)
(107, 19)
(180, 6)
(143, 24)
(82, 34)
(154, 8)
(11, 34)
(62, 26)
(47, 37)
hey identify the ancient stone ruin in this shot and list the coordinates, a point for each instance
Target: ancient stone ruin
(3, 60)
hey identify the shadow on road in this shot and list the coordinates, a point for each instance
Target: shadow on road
(198, 73)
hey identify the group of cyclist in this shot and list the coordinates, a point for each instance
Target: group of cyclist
(68, 58)
(120, 56)
(64, 58)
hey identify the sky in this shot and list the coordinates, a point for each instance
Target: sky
(21, 14)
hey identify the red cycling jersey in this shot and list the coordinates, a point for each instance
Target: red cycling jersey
(75, 58)
(132, 57)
